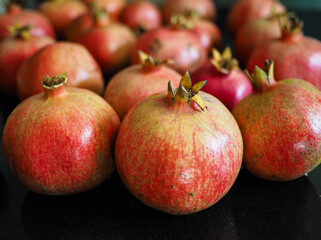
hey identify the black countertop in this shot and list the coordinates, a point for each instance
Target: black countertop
(252, 209)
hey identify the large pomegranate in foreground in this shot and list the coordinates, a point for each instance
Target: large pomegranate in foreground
(280, 124)
(178, 153)
(83, 70)
(294, 55)
(61, 141)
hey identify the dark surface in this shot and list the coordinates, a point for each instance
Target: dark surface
(252, 209)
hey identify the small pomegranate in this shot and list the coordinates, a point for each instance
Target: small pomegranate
(73, 58)
(136, 82)
(179, 151)
(112, 7)
(294, 55)
(172, 42)
(61, 141)
(14, 51)
(205, 8)
(281, 126)
(141, 14)
(224, 78)
(244, 11)
(40, 24)
(62, 12)
(110, 43)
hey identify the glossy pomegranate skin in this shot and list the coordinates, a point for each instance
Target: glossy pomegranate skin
(253, 34)
(295, 56)
(78, 27)
(205, 8)
(244, 11)
(281, 130)
(178, 45)
(62, 143)
(61, 57)
(141, 13)
(228, 88)
(134, 83)
(113, 7)
(62, 12)
(110, 45)
(39, 22)
(178, 159)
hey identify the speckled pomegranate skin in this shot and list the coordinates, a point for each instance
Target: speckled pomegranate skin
(61, 144)
(176, 158)
(281, 130)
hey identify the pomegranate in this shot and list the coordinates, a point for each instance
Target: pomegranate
(14, 51)
(294, 55)
(61, 141)
(281, 126)
(112, 7)
(224, 78)
(205, 8)
(60, 57)
(141, 14)
(172, 42)
(244, 11)
(136, 82)
(62, 12)
(16, 15)
(110, 43)
(178, 153)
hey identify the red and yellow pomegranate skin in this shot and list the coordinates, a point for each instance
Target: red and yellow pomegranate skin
(112, 7)
(61, 142)
(281, 129)
(177, 158)
(78, 27)
(61, 57)
(13, 52)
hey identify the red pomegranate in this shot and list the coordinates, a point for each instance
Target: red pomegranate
(244, 11)
(294, 55)
(136, 82)
(224, 78)
(112, 7)
(141, 14)
(62, 12)
(78, 27)
(73, 58)
(280, 125)
(110, 43)
(172, 42)
(205, 8)
(178, 153)
(16, 15)
(61, 141)
(14, 51)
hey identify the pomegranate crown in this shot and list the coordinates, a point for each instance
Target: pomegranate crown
(54, 82)
(186, 92)
(148, 62)
(19, 31)
(290, 24)
(179, 21)
(224, 62)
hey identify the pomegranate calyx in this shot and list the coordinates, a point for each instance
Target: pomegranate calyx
(179, 21)
(150, 63)
(290, 25)
(224, 62)
(52, 83)
(18, 31)
(186, 92)
(99, 15)
(262, 79)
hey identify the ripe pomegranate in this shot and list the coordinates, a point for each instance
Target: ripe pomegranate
(281, 126)
(295, 55)
(112, 7)
(110, 43)
(205, 8)
(141, 14)
(244, 11)
(136, 82)
(224, 78)
(61, 141)
(60, 57)
(178, 153)
(62, 12)
(16, 15)
(14, 51)
(172, 42)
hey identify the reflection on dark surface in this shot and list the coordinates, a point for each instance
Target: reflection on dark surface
(253, 209)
